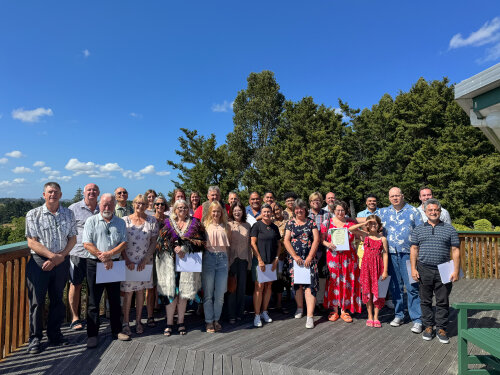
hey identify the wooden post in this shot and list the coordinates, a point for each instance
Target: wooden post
(2, 309)
(15, 304)
(22, 303)
(8, 308)
(463, 363)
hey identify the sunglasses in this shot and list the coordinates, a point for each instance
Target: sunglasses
(160, 204)
(121, 193)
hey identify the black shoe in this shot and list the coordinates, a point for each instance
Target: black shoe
(34, 346)
(442, 336)
(428, 334)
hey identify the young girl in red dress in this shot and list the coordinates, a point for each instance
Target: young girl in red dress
(373, 267)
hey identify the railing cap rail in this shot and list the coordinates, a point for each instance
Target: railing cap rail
(13, 247)
(476, 232)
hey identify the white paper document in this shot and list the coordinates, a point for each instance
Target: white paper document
(191, 262)
(134, 275)
(408, 269)
(383, 286)
(267, 275)
(301, 274)
(340, 238)
(445, 271)
(117, 273)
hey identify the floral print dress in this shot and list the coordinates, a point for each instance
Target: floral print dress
(343, 285)
(140, 240)
(302, 239)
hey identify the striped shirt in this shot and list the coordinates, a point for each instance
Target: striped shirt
(434, 242)
(82, 213)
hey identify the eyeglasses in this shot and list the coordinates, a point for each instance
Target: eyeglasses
(160, 204)
(140, 204)
(182, 208)
(121, 193)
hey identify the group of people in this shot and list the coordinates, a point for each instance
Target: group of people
(233, 241)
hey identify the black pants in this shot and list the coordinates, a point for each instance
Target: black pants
(95, 293)
(430, 284)
(40, 283)
(236, 300)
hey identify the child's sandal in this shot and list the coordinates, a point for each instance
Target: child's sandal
(377, 324)
(369, 323)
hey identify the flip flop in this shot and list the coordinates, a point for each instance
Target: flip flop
(369, 323)
(377, 324)
(77, 325)
(333, 316)
(346, 317)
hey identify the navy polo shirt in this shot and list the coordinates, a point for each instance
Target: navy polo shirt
(434, 242)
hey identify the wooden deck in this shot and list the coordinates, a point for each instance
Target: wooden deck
(282, 347)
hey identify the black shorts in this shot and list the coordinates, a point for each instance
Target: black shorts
(77, 270)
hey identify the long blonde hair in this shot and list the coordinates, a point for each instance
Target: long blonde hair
(223, 219)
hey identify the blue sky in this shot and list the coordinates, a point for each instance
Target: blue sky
(97, 91)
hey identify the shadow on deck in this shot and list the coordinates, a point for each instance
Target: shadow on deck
(282, 347)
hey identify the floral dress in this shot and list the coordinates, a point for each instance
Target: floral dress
(371, 270)
(343, 285)
(140, 240)
(302, 239)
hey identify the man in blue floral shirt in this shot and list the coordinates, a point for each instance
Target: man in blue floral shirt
(399, 219)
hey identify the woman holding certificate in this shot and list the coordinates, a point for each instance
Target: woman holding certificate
(301, 242)
(266, 245)
(343, 285)
(142, 232)
(181, 234)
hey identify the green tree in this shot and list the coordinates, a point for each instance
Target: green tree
(17, 233)
(78, 195)
(4, 234)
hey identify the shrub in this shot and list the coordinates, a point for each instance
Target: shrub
(483, 225)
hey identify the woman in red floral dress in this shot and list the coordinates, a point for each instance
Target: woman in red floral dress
(343, 285)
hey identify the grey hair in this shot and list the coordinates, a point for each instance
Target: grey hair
(431, 201)
(301, 204)
(214, 188)
(266, 205)
(106, 195)
(176, 204)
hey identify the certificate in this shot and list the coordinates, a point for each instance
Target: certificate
(301, 274)
(134, 275)
(191, 262)
(445, 271)
(408, 270)
(117, 273)
(383, 286)
(267, 275)
(339, 238)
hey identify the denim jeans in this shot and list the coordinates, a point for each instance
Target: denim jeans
(399, 278)
(236, 300)
(214, 281)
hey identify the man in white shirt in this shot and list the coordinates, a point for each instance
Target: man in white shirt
(426, 194)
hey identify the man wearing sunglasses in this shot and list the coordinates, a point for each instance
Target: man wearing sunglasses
(122, 208)
(104, 238)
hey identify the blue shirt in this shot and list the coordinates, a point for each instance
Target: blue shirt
(367, 212)
(434, 242)
(103, 235)
(250, 212)
(82, 213)
(398, 226)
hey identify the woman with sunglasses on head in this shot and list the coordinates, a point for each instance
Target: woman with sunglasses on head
(181, 234)
(142, 233)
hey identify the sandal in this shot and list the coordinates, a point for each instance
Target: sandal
(346, 317)
(139, 329)
(377, 324)
(210, 328)
(151, 322)
(77, 325)
(126, 329)
(168, 330)
(333, 316)
(181, 329)
(369, 323)
(217, 326)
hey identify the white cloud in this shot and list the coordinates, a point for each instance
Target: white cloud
(488, 33)
(49, 171)
(163, 173)
(492, 54)
(132, 175)
(224, 107)
(136, 115)
(79, 167)
(86, 53)
(3, 160)
(38, 163)
(150, 169)
(110, 167)
(22, 170)
(14, 154)
(56, 178)
(8, 184)
(64, 178)
(33, 115)
(100, 175)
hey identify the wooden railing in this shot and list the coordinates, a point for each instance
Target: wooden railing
(14, 322)
(479, 254)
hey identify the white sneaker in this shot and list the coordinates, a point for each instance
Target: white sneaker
(298, 313)
(396, 322)
(417, 328)
(256, 321)
(265, 316)
(310, 322)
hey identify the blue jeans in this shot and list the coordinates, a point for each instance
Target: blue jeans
(399, 277)
(214, 281)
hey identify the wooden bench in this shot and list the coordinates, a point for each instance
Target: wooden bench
(486, 338)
